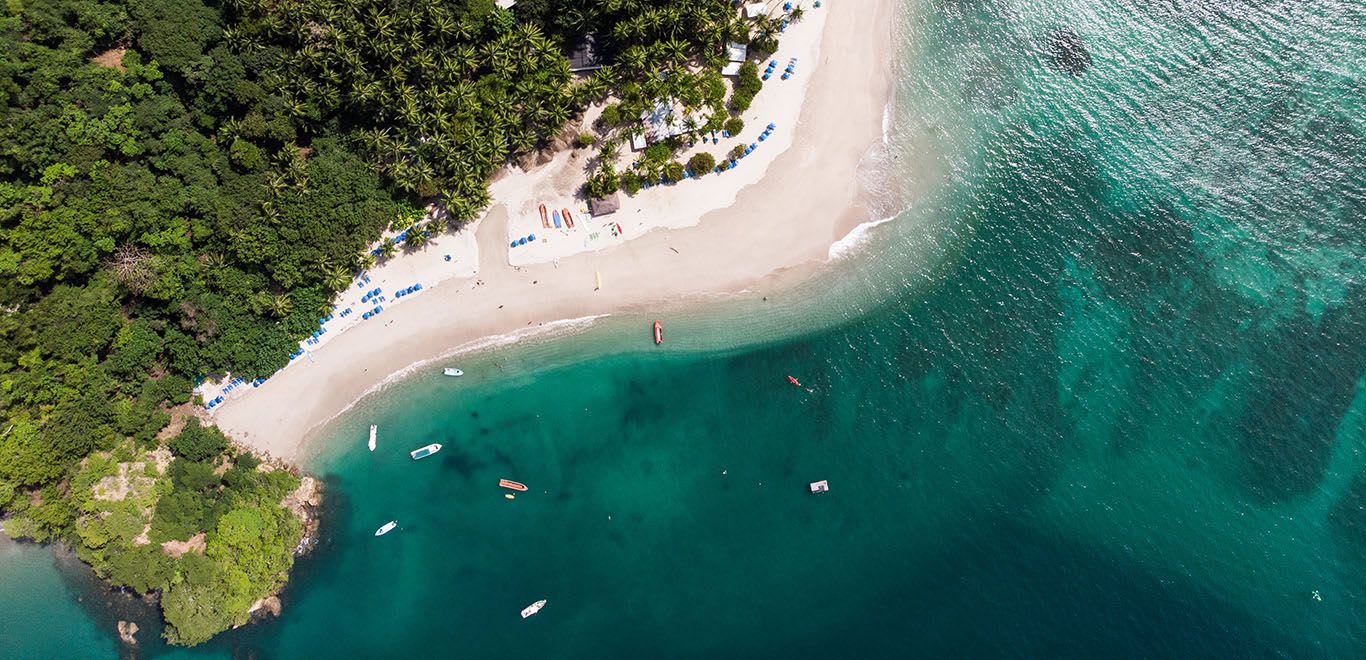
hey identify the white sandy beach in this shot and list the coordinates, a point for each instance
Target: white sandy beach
(779, 212)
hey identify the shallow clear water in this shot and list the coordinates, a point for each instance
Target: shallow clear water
(1098, 393)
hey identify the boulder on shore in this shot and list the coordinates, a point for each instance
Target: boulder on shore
(268, 605)
(127, 630)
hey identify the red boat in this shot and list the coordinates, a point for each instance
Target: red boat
(568, 219)
(545, 220)
(508, 483)
(794, 381)
(659, 333)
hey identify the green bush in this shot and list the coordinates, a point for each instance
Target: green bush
(735, 125)
(673, 171)
(586, 140)
(747, 84)
(701, 163)
(658, 152)
(198, 443)
(737, 152)
(630, 182)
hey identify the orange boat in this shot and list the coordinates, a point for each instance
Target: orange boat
(659, 333)
(545, 220)
(568, 219)
(508, 483)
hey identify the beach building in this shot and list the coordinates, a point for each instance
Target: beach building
(756, 9)
(736, 54)
(584, 57)
(505, 4)
(604, 205)
(664, 121)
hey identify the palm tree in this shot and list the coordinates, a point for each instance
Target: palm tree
(336, 278)
(387, 250)
(281, 305)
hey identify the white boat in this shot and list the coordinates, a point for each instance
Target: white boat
(452, 371)
(424, 452)
(373, 429)
(388, 527)
(532, 608)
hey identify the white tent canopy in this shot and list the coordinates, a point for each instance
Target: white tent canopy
(755, 9)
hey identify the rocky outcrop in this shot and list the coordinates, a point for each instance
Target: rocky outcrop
(304, 503)
(270, 605)
(127, 632)
(1067, 52)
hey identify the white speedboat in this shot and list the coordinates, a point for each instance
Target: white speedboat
(532, 608)
(424, 452)
(452, 371)
(373, 429)
(388, 527)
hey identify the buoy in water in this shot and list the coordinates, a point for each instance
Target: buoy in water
(509, 496)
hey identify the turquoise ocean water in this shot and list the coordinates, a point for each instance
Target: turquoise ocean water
(1097, 393)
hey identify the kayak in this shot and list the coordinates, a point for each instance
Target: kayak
(545, 220)
(568, 219)
(508, 483)
(659, 333)
(794, 381)
(557, 219)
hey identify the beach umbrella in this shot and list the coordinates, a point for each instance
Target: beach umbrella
(514, 244)
(772, 126)
(521, 241)
(531, 237)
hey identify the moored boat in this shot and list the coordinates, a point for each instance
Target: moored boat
(424, 452)
(452, 371)
(532, 608)
(545, 219)
(659, 333)
(388, 527)
(373, 430)
(568, 219)
(508, 483)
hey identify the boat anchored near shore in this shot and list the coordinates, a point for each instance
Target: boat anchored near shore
(508, 483)
(373, 430)
(386, 528)
(532, 608)
(424, 452)
(452, 371)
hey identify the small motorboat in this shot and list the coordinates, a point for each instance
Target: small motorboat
(545, 219)
(508, 483)
(568, 219)
(424, 452)
(532, 608)
(794, 381)
(659, 333)
(388, 527)
(821, 486)
(452, 371)
(373, 430)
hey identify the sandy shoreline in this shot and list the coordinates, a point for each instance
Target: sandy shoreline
(782, 225)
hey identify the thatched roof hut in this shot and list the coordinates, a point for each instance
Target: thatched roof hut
(604, 205)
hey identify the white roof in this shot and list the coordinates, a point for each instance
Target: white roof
(666, 120)
(755, 9)
(731, 69)
(505, 4)
(638, 142)
(737, 52)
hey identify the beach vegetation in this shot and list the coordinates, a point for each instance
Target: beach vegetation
(701, 163)
(585, 140)
(734, 125)
(630, 182)
(747, 84)
(673, 171)
(737, 152)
